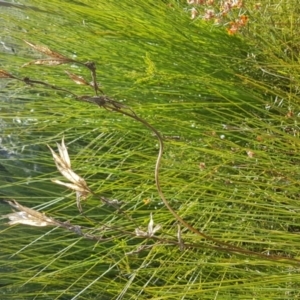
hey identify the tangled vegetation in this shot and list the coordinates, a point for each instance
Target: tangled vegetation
(208, 209)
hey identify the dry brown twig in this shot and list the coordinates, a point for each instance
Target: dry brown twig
(63, 164)
(28, 216)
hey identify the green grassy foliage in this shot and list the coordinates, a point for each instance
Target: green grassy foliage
(227, 107)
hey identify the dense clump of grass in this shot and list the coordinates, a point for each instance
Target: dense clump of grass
(229, 168)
